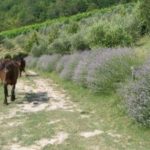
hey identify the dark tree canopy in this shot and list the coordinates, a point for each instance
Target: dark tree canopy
(16, 13)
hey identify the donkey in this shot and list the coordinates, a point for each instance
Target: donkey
(21, 62)
(9, 71)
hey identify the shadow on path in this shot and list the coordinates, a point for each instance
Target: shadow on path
(35, 98)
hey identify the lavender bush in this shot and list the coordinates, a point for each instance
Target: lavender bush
(31, 61)
(80, 73)
(109, 67)
(47, 62)
(136, 95)
(61, 63)
(137, 100)
(142, 71)
(69, 67)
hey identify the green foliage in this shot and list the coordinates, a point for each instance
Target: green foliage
(83, 31)
(7, 56)
(24, 30)
(53, 34)
(107, 34)
(30, 42)
(117, 36)
(38, 50)
(79, 43)
(8, 44)
(73, 27)
(145, 15)
(61, 46)
(1, 39)
(15, 14)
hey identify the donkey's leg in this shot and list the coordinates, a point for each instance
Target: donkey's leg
(5, 93)
(13, 93)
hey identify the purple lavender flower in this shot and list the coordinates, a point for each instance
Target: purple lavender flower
(48, 62)
(31, 61)
(69, 67)
(62, 62)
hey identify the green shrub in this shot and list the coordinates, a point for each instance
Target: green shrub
(38, 50)
(1, 39)
(73, 27)
(96, 34)
(145, 15)
(20, 40)
(115, 36)
(30, 41)
(8, 44)
(53, 33)
(79, 43)
(107, 34)
(61, 46)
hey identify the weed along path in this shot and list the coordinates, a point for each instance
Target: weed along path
(44, 117)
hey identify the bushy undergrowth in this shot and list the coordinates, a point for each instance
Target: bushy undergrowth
(136, 95)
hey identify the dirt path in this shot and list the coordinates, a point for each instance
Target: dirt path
(41, 94)
(38, 95)
(44, 117)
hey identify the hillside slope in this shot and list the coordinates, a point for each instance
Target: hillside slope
(99, 28)
(22, 12)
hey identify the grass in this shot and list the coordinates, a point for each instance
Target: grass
(109, 115)
(106, 114)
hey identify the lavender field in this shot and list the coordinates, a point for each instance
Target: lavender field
(100, 70)
(103, 71)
